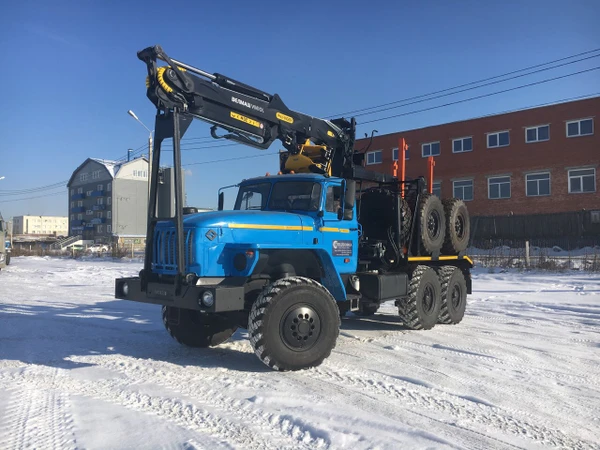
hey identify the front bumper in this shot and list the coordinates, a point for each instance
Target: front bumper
(228, 293)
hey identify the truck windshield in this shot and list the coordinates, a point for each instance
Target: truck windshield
(297, 196)
(285, 196)
(253, 196)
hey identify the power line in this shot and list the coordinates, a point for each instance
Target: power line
(230, 159)
(32, 190)
(481, 96)
(464, 85)
(471, 88)
(30, 198)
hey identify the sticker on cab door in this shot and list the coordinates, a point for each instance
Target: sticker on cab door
(342, 248)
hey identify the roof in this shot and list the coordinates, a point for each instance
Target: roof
(112, 167)
(286, 177)
(585, 98)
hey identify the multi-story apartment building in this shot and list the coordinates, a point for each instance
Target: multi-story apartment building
(108, 199)
(45, 225)
(527, 162)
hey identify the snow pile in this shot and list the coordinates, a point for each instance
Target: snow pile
(79, 369)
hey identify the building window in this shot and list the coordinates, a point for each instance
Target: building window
(498, 187)
(72, 204)
(80, 203)
(100, 229)
(95, 174)
(461, 145)
(430, 149)
(88, 193)
(537, 134)
(374, 157)
(100, 201)
(108, 200)
(140, 173)
(100, 187)
(83, 177)
(100, 215)
(89, 212)
(437, 188)
(395, 154)
(108, 214)
(108, 186)
(79, 216)
(72, 216)
(80, 190)
(498, 139)
(582, 127)
(537, 184)
(582, 180)
(108, 228)
(463, 189)
(72, 191)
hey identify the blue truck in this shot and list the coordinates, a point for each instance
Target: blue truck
(300, 248)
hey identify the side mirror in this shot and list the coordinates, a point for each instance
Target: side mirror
(349, 199)
(221, 200)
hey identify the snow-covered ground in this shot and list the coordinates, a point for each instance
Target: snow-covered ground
(79, 369)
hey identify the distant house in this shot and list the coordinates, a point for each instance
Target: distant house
(44, 225)
(108, 199)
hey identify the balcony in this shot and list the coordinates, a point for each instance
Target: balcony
(97, 194)
(78, 209)
(77, 222)
(78, 196)
(98, 207)
(98, 220)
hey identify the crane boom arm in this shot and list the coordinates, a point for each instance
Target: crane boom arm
(248, 115)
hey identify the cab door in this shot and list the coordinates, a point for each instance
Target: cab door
(339, 237)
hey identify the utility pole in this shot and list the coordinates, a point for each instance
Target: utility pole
(132, 114)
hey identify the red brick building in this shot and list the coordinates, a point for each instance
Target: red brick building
(533, 161)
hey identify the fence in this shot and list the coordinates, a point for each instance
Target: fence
(537, 254)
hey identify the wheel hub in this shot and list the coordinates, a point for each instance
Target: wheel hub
(459, 227)
(456, 297)
(433, 224)
(300, 327)
(428, 299)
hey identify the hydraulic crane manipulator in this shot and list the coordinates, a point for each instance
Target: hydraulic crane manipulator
(250, 116)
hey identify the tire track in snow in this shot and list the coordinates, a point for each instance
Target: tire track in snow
(542, 371)
(38, 418)
(221, 431)
(185, 382)
(465, 410)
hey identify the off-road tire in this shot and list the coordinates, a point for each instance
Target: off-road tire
(197, 329)
(432, 223)
(454, 295)
(8, 259)
(278, 336)
(407, 222)
(458, 226)
(420, 310)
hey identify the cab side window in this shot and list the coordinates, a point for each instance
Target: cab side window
(333, 201)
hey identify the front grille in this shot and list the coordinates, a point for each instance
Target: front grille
(165, 250)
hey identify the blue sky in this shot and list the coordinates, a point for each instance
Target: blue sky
(71, 72)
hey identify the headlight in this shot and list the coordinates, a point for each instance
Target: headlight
(208, 299)
(125, 289)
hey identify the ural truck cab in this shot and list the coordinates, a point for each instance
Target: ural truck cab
(299, 249)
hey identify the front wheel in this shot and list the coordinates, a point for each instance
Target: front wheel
(8, 259)
(294, 324)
